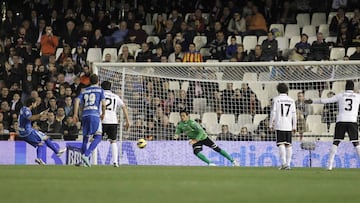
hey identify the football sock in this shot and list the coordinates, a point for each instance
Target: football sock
(358, 150)
(40, 152)
(203, 157)
(50, 144)
(332, 156)
(114, 151)
(226, 155)
(282, 154)
(288, 155)
(94, 143)
(84, 144)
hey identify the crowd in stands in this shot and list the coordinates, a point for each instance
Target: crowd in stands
(32, 32)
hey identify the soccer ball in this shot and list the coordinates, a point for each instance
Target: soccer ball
(141, 143)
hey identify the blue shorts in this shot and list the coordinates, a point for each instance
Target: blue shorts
(91, 125)
(34, 138)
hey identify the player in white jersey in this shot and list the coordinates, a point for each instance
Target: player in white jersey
(283, 120)
(346, 120)
(110, 121)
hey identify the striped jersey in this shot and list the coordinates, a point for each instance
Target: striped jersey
(348, 103)
(113, 101)
(283, 113)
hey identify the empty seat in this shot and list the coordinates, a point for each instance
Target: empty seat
(153, 39)
(185, 85)
(312, 121)
(258, 118)
(250, 76)
(249, 42)
(338, 86)
(293, 93)
(330, 39)
(200, 41)
(311, 94)
(112, 52)
(261, 39)
(174, 85)
(174, 117)
(293, 40)
(311, 39)
(199, 105)
(337, 53)
(292, 30)
(310, 30)
(148, 29)
(58, 52)
(244, 119)
(317, 109)
(330, 16)
(209, 119)
(94, 55)
(283, 43)
(279, 28)
(194, 116)
(349, 15)
(318, 19)
(350, 51)
(324, 28)
(303, 19)
(227, 119)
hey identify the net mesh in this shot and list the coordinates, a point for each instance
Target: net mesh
(232, 100)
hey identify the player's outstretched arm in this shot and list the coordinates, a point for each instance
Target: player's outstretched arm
(76, 110)
(126, 115)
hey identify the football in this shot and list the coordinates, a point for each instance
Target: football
(141, 143)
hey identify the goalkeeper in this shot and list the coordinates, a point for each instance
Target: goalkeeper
(198, 138)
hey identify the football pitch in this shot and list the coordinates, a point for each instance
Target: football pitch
(165, 184)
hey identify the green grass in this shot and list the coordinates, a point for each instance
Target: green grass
(158, 184)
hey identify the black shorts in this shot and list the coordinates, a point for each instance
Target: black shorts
(207, 142)
(342, 127)
(283, 137)
(110, 130)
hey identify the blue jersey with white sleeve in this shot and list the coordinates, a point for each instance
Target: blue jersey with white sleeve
(25, 127)
(91, 98)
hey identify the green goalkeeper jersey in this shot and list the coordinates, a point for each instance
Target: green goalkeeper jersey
(192, 129)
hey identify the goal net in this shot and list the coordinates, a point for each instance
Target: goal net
(232, 100)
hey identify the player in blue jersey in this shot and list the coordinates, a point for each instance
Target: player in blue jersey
(93, 103)
(34, 137)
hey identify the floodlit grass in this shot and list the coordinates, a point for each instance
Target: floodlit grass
(159, 184)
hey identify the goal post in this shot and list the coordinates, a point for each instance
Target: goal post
(228, 97)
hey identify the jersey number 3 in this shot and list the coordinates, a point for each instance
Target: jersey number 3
(349, 104)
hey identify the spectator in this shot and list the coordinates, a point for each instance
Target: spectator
(286, 14)
(302, 49)
(71, 131)
(302, 111)
(79, 57)
(197, 21)
(176, 54)
(137, 34)
(225, 134)
(3, 130)
(51, 125)
(244, 135)
(64, 54)
(319, 49)
(167, 44)
(183, 102)
(159, 24)
(237, 24)
(145, 54)
(192, 55)
(264, 132)
(256, 23)
(336, 22)
(344, 38)
(257, 54)
(71, 34)
(16, 104)
(218, 47)
(69, 106)
(270, 47)
(125, 55)
(356, 54)
(49, 43)
(167, 129)
(176, 19)
(253, 106)
(119, 36)
(232, 48)
(97, 40)
(240, 55)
